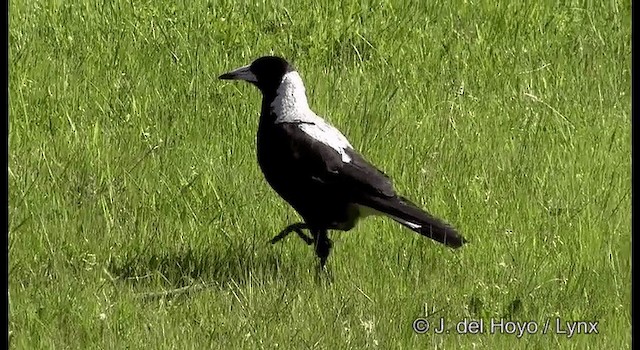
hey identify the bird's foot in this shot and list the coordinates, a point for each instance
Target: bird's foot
(323, 276)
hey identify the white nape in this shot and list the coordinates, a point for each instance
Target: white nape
(290, 106)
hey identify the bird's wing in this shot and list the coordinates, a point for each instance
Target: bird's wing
(346, 171)
(339, 166)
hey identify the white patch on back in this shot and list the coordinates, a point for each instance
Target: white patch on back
(328, 135)
(291, 106)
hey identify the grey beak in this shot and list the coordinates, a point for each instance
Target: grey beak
(242, 73)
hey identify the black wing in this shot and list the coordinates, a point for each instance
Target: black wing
(365, 185)
(325, 165)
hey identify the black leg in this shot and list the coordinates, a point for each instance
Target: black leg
(323, 246)
(297, 228)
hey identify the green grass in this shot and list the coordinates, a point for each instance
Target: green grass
(139, 217)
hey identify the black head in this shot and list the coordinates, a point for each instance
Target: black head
(265, 72)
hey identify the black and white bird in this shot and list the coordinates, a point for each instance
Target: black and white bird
(315, 169)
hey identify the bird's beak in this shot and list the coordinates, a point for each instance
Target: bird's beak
(242, 73)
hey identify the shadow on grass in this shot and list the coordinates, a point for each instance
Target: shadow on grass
(188, 270)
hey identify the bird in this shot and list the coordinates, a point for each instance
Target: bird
(317, 171)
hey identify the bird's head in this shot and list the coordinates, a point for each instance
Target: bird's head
(265, 72)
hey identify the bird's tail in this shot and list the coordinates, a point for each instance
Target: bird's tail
(408, 214)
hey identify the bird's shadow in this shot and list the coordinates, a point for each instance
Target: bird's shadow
(180, 272)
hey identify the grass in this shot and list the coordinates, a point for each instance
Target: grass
(139, 217)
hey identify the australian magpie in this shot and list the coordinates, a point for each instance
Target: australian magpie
(315, 169)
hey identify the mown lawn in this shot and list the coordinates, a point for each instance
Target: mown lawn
(139, 217)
